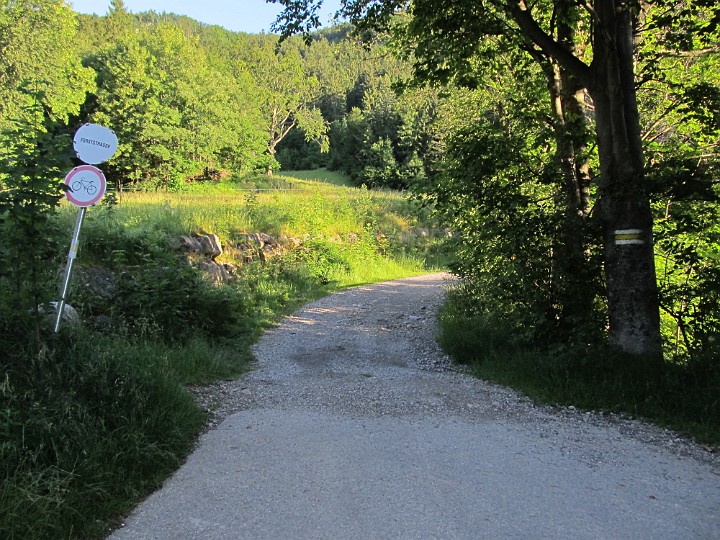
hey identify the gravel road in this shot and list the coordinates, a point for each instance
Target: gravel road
(354, 425)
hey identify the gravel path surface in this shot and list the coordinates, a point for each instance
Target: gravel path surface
(355, 425)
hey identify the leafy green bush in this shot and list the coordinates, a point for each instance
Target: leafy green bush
(175, 301)
(324, 260)
(681, 396)
(519, 255)
(32, 158)
(688, 260)
(86, 427)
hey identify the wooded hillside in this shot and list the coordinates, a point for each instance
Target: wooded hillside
(565, 153)
(510, 140)
(193, 102)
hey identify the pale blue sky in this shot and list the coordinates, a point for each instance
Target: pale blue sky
(252, 16)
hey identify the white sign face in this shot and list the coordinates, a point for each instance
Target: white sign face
(86, 185)
(95, 144)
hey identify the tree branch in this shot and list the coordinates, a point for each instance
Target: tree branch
(520, 12)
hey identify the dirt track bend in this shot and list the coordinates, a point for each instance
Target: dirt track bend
(354, 425)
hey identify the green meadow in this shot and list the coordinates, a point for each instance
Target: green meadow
(103, 415)
(373, 234)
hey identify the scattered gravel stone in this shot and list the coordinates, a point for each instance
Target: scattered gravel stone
(354, 425)
(372, 351)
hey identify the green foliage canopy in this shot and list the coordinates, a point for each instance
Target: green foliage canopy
(37, 53)
(177, 114)
(590, 46)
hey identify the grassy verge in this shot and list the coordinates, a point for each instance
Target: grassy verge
(320, 175)
(102, 421)
(685, 398)
(99, 415)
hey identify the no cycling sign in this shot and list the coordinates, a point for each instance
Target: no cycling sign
(86, 185)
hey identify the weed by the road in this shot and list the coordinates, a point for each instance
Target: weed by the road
(680, 396)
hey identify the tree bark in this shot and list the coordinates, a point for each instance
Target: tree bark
(624, 207)
(633, 307)
(572, 275)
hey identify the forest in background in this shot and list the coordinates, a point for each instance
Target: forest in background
(191, 102)
(492, 135)
(475, 135)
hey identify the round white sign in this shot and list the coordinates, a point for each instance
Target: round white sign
(86, 185)
(95, 144)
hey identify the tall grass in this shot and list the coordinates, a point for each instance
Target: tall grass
(99, 421)
(684, 397)
(101, 415)
(310, 209)
(307, 207)
(319, 175)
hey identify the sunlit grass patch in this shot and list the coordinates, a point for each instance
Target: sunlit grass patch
(308, 207)
(319, 175)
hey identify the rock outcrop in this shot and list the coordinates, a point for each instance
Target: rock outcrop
(203, 250)
(207, 245)
(256, 247)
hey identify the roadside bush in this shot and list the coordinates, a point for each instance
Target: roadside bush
(30, 191)
(520, 256)
(683, 396)
(169, 300)
(469, 337)
(92, 421)
(324, 260)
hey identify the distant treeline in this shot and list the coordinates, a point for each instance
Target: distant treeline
(190, 101)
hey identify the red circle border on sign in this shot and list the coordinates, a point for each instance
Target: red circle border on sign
(101, 192)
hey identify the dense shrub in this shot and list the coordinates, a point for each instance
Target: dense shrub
(92, 421)
(173, 302)
(511, 237)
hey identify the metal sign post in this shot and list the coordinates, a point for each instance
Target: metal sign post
(72, 255)
(86, 185)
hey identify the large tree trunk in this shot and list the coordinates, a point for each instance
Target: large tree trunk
(623, 203)
(271, 152)
(624, 207)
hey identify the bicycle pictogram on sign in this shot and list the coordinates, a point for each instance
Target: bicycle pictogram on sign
(86, 185)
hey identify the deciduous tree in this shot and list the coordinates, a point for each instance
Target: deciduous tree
(446, 35)
(37, 53)
(288, 94)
